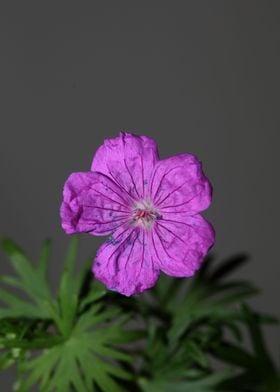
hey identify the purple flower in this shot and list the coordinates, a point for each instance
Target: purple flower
(148, 206)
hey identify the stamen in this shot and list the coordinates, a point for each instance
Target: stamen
(144, 214)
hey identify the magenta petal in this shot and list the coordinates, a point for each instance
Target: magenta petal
(178, 184)
(129, 160)
(92, 203)
(124, 263)
(179, 247)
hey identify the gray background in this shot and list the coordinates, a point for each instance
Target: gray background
(199, 76)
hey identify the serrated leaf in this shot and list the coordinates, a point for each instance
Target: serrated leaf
(34, 287)
(85, 354)
(208, 302)
(16, 307)
(29, 280)
(86, 358)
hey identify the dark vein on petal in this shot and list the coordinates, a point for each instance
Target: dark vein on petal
(159, 237)
(186, 202)
(94, 221)
(153, 178)
(142, 168)
(104, 208)
(170, 193)
(132, 246)
(173, 221)
(105, 231)
(107, 197)
(142, 260)
(119, 246)
(171, 232)
(119, 184)
(154, 245)
(132, 179)
(124, 231)
(116, 193)
(192, 227)
(165, 174)
(177, 212)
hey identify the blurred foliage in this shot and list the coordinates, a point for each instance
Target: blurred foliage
(183, 335)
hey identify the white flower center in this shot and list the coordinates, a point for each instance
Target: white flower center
(144, 214)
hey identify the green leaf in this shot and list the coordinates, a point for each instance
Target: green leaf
(44, 258)
(6, 360)
(82, 353)
(195, 353)
(167, 290)
(69, 289)
(65, 309)
(79, 341)
(17, 307)
(212, 302)
(97, 292)
(29, 280)
(265, 363)
(85, 359)
(234, 292)
(205, 384)
(228, 266)
(234, 355)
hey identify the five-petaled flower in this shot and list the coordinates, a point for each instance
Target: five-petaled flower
(148, 206)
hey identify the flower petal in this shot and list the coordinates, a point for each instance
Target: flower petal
(124, 263)
(128, 160)
(179, 247)
(93, 203)
(178, 184)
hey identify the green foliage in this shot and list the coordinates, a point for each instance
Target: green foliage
(183, 335)
(64, 342)
(31, 280)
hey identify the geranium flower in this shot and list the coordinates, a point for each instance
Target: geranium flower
(148, 206)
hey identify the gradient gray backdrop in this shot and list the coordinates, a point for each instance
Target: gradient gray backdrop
(198, 76)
